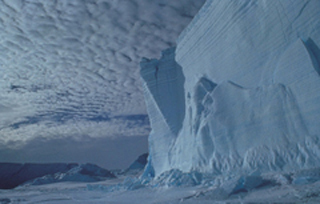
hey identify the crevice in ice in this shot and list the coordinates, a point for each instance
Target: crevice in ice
(301, 10)
(299, 61)
(314, 53)
(207, 142)
(202, 99)
(156, 72)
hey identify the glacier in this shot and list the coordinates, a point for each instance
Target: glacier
(240, 93)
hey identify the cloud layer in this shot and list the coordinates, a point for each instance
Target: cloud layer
(102, 151)
(69, 68)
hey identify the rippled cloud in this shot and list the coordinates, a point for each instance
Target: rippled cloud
(70, 67)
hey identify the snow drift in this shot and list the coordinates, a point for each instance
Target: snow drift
(241, 91)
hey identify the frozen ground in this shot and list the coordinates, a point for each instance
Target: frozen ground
(276, 189)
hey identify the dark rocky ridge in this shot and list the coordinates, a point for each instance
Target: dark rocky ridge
(14, 174)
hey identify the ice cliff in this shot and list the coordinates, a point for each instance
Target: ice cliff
(240, 92)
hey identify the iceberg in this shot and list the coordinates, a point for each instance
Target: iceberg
(239, 93)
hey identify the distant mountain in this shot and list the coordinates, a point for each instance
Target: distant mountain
(13, 174)
(80, 173)
(135, 168)
(139, 163)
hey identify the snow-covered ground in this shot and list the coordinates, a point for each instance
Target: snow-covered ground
(272, 188)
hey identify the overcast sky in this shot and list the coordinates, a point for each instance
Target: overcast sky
(69, 76)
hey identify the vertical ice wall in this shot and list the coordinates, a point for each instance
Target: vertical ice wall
(251, 97)
(164, 94)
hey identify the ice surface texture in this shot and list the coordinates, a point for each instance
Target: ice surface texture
(241, 91)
